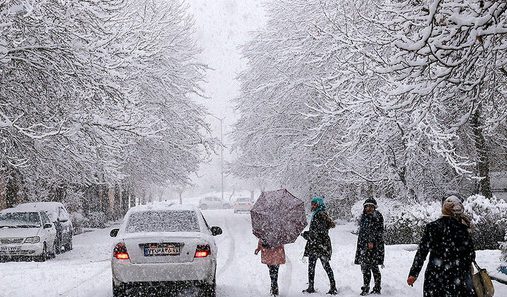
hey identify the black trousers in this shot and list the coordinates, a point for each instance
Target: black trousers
(312, 262)
(273, 274)
(367, 270)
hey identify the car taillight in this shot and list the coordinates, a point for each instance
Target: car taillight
(120, 251)
(202, 251)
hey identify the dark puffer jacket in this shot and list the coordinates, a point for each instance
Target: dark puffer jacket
(371, 230)
(318, 240)
(451, 255)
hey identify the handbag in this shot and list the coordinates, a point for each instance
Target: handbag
(483, 285)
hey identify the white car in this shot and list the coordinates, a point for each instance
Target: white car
(26, 234)
(59, 217)
(212, 202)
(242, 205)
(163, 245)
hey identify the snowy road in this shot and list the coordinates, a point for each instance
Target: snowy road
(85, 271)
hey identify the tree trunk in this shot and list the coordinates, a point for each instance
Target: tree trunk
(3, 201)
(12, 188)
(482, 155)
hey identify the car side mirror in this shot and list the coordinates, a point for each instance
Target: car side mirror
(216, 230)
(48, 226)
(114, 232)
(62, 220)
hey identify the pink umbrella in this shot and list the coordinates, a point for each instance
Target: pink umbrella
(278, 217)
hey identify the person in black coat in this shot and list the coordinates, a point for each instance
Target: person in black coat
(370, 246)
(449, 243)
(318, 245)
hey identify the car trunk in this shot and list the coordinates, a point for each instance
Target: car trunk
(162, 247)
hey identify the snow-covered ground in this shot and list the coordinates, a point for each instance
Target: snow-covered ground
(85, 271)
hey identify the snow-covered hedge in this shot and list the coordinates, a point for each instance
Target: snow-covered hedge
(96, 219)
(503, 247)
(404, 223)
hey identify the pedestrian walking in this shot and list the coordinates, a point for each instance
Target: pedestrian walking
(370, 246)
(318, 245)
(273, 257)
(451, 250)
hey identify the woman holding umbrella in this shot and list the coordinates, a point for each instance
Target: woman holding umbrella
(278, 217)
(273, 257)
(318, 244)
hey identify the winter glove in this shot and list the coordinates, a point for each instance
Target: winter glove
(371, 245)
(411, 280)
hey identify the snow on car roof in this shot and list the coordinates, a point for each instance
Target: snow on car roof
(40, 205)
(161, 206)
(15, 209)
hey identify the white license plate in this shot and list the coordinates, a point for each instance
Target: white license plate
(161, 250)
(9, 248)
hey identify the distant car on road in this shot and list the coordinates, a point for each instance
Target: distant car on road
(212, 202)
(59, 217)
(243, 205)
(26, 234)
(163, 245)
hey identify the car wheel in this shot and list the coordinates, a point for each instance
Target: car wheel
(119, 290)
(53, 254)
(209, 290)
(58, 243)
(68, 245)
(44, 256)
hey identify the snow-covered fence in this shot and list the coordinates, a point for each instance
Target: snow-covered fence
(404, 223)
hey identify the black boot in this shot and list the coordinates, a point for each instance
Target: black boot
(376, 290)
(364, 291)
(310, 290)
(333, 290)
(274, 291)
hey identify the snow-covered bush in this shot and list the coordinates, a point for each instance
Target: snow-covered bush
(503, 246)
(78, 221)
(404, 223)
(489, 217)
(96, 219)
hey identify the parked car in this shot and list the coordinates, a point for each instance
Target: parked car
(212, 202)
(163, 245)
(26, 234)
(243, 205)
(59, 217)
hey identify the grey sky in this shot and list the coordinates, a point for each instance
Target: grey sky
(222, 27)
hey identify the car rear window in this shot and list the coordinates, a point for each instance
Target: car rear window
(163, 221)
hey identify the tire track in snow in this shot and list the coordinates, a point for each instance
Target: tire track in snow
(232, 249)
(287, 278)
(85, 281)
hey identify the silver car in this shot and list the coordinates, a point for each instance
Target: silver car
(163, 245)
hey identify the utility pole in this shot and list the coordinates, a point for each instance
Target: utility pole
(221, 152)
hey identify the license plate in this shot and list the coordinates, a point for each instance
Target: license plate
(10, 248)
(161, 249)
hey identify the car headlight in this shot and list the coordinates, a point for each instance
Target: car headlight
(33, 239)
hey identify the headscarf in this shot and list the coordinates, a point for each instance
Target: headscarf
(453, 207)
(320, 205)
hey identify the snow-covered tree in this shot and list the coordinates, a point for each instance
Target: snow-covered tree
(98, 93)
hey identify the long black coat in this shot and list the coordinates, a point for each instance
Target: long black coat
(451, 255)
(318, 240)
(371, 230)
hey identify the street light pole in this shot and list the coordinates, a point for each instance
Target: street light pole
(221, 152)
